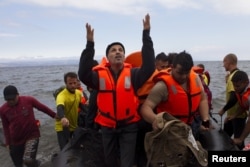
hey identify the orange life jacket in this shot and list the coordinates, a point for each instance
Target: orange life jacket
(83, 99)
(201, 74)
(198, 69)
(180, 104)
(243, 99)
(143, 92)
(116, 101)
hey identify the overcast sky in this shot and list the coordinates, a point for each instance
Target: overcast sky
(207, 29)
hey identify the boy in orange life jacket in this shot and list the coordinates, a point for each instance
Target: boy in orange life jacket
(116, 83)
(173, 93)
(242, 89)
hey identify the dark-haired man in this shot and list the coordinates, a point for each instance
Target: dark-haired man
(179, 93)
(241, 86)
(20, 126)
(116, 83)
(67, 105)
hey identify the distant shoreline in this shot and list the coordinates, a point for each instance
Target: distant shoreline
(63, 61)
(29, 63)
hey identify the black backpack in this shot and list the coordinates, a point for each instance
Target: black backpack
(57, 91)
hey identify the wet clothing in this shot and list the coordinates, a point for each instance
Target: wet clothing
(21, 130)
(234, 128)
(19, 121)
(124, 134)
(25, 152)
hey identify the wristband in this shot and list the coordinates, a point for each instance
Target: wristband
(205, 123)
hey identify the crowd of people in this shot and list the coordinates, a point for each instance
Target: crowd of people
(124, 102)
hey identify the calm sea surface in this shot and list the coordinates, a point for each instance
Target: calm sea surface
(40, 81)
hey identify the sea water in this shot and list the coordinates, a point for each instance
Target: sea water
(41, 80)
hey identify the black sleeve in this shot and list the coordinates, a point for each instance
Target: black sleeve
(85, 95)
(60, 111)
(85, 73)
(141, 75)
(231, 102)
(92, 109)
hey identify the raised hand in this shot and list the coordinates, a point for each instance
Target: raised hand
(146, 22)
(90, 33)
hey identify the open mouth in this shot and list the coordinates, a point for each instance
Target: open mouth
(118, 57)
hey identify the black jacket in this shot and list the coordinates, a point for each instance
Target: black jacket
(138, 75)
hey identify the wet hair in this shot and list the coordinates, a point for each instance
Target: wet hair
(171, 57)
(69, 74)
(184, 59)
(240, 76)
(161, 56)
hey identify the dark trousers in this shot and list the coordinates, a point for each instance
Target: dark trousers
(235, 127)
(63, 137)
(195, 126)
(25, 153)
(140, 154)
(119, 145)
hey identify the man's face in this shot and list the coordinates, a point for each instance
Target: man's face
(12, 102)
(116, 55)
(239, 87)
(160, 65)
(71, 84)
(226, 64)
(179, 75)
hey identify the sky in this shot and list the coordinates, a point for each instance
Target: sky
(55, 29)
